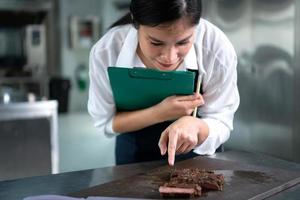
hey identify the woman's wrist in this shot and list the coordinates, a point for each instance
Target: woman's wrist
(156, 114)
(203, 131)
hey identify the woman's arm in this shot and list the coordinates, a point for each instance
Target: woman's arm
(170, 108)
(131, 121)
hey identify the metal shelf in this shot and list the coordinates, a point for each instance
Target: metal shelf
(28, 5)
(10, 80)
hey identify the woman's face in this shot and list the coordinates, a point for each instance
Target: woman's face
(164, 46)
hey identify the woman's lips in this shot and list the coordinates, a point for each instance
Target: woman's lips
(165, 65)
(169, 66)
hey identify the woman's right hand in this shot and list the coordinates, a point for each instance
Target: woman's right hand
(174, 107)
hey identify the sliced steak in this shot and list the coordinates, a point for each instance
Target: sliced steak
(190, 182)
(190, 191)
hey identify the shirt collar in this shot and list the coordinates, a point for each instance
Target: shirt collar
(129, 58)
(127, 55)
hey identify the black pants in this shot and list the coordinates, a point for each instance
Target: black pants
(142, 145)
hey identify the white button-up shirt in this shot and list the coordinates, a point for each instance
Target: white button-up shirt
(212, 54)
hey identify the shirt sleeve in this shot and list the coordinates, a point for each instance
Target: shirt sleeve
(221, 98)
(101, 105)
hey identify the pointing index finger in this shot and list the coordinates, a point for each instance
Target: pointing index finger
(172, 148)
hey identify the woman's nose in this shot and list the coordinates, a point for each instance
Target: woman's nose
(169, 55)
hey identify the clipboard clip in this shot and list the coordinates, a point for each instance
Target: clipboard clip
(149, 74)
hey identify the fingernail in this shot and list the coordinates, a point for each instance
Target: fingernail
(171, 162)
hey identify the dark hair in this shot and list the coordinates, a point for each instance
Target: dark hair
(155, 12)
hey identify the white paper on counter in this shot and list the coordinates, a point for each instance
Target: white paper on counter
(52, 197)
(59, 197)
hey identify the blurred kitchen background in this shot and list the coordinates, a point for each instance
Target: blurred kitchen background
(44, 50)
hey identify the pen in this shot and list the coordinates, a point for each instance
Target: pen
(197, 91)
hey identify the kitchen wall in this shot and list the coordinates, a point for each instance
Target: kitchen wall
(81, 145)
(263, 33)
(71, 58)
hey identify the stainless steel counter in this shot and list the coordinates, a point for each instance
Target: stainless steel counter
(66, 183)
(28, 139)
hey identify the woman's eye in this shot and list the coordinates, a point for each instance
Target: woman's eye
(182, 43)
(156, 43)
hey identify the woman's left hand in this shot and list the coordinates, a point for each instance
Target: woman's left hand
(182, 136)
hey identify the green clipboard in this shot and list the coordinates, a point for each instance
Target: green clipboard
(137, 88)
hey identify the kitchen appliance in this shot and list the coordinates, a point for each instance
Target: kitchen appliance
(29, 38)
(12, 50)
(22, 48)
(35, 45)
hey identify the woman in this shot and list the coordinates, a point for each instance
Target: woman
(166, 35)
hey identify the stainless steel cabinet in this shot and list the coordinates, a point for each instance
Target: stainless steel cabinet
(264, 34)
(28, 139)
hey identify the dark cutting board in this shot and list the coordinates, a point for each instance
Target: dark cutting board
(241, 181)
